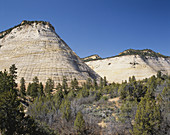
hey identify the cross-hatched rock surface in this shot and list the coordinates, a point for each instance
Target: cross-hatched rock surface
(120, 68)
(37, 50)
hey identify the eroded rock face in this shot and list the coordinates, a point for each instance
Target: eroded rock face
(92, 57)
(37, 50)
(122, 67)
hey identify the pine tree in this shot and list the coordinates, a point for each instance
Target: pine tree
(127, 111)
(139, 91)
(41, 90)
(59, 87)
(65, 85)
(95, 84)
(88, 83)
(130, 79)
(79, 123)
(152, 82)
(74, 84)
(10, 113)
(58, 98)
(49, 86)
(4, 81)
(22, 87)
(122, 91)
(71, 94)
(13, 77)
(84, 92)
(159, 74)
(34, 88)
(29, 89)
(105, 81)
(101, 83)
(147, 119)
(163, 100)
(133, 79)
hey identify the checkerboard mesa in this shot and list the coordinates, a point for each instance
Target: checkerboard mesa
(36, 50)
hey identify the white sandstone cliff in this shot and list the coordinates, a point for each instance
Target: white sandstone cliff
(37, 50)
(121, 68)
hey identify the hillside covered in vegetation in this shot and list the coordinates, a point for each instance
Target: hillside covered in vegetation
(133, 107)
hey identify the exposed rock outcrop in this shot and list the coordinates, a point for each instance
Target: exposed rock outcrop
(36, 50)
(92, 57)
(141, 63)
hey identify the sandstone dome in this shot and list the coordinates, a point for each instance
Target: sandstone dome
(36, 50)
(139, 63)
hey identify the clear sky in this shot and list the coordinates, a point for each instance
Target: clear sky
(103, 27)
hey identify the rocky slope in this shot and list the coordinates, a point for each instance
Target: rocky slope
(92, 57)
(140, 63)
(36, 50)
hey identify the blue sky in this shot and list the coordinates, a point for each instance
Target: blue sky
(103, 27)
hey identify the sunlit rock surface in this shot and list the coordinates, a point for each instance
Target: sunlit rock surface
(121, 68)
(36, 50)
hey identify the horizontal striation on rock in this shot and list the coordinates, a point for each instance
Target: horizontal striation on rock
(37, 50)
(118, 69)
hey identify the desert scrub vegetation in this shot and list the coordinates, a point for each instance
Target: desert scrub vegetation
(93, 108)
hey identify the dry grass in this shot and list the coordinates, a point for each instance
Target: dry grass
(115, 100)
(102, 124)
